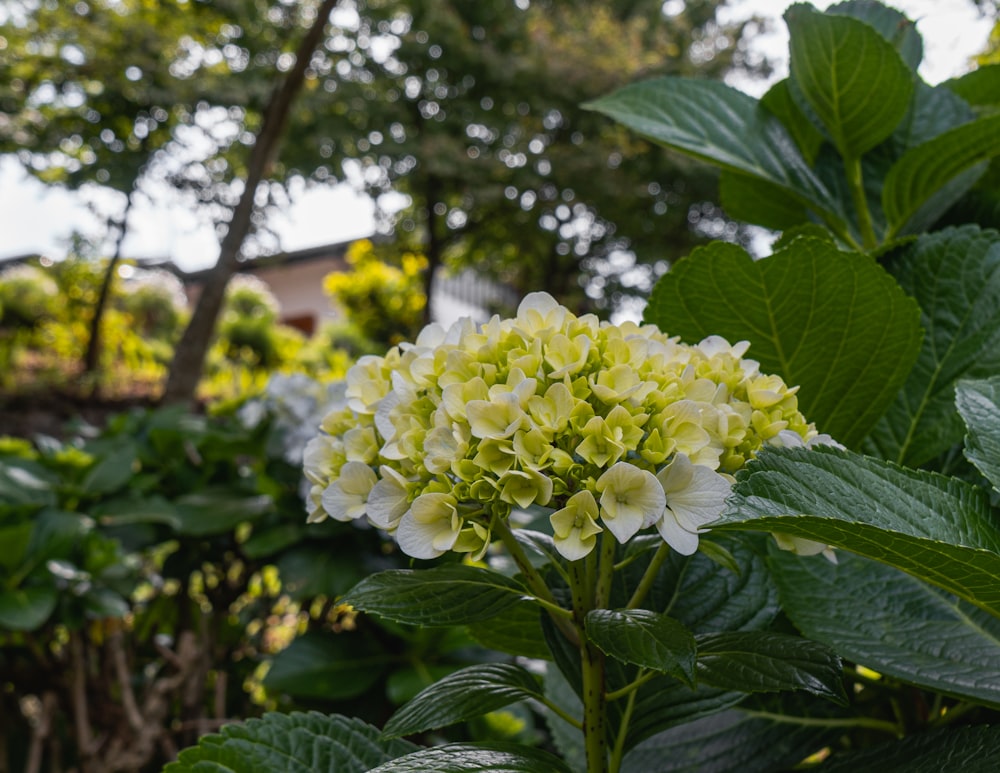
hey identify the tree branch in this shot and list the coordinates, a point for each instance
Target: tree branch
(189, 357)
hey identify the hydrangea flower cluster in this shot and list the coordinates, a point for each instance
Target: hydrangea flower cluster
(615, 428)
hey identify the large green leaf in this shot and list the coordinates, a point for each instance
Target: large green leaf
(327, 666)
(852, 77)
(25, 609)
(130, 510)
(725, 127)
(218, 510)
(955, 277)
(732, 741)
(759, 202)
(291, 743)
(981, 87)
(979, 404)
(23, 482)
(57, 534)
(933, 111)
(965, 749)
(467, 693)
(517, 631)
(834, 323)
(938, 529)
(113, 469)
(780, 103)
(308, 571)
(15, 539)
(645, 639)
(707, 598)
(889, 23)
(893, 623)
(928, 179)
(762, 661)
(452, 594)
(495, 757)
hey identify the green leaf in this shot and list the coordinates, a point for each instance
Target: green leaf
(889, 23)
(23, 482)
(965, 749)
(928, 179)
(757, 201)
(727, 742)
(103, 603)
(57, 534)
(308, 571)
(495, 757)
(516, 631)
(15, 541)
(122, 512)
(778, 101)
(981, 87)
(933, 111)
(646, 639)
(893, 623)
(664, 702)
(955, 277)
(761, 661)
(291, 743)
(852, 77)
(218, 510)
(938, 529)
(112, 471)
(267, 542)
(452, 594)
(467, 693)
(834, 323)
(25, 609)
(979, 404)
(327, 666)
(707, 598)
(725, 127)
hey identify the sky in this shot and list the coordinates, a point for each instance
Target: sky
(36, 219)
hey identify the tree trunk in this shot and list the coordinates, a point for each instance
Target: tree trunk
(189, 357)
(433, 247)
(92, 357)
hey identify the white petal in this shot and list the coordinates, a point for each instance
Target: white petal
(416, 539)
(679, 538)
(543, 303)
(341, 505)
(387, 503)
(382, 422)
(573, 548)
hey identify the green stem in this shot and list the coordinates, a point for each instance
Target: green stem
(631, 687)
(951, 714)
(534, 581)
(872, 724)
(649, 576)
(559, 712)
(619, 749)
(605, 572)
(852, 167)
(592, 673)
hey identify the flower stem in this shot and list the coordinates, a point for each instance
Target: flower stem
(631, 687)
(619, 749)
(592, 673)
(649, 577)
(534, 581)
(605, 572)
(873, 724)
